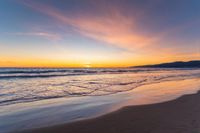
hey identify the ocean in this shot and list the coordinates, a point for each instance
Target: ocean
(19, 85)
(43, 97)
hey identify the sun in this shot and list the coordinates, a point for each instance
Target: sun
(87, 65)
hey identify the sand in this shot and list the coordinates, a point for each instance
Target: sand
(178, 116)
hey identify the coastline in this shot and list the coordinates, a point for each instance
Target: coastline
(179, 115)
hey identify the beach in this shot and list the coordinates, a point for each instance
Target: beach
(133, 101)
(99, 66)
(177, 116)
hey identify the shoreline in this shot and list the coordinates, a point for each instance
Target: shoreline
(179, 115)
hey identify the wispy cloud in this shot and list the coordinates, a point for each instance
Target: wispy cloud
(46, 35)
(114, 27)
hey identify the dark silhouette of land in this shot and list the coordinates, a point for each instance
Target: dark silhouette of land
(178, 64)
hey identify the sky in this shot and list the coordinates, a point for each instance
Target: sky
(98, 33)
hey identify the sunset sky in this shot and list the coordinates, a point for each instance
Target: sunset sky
(98, 33)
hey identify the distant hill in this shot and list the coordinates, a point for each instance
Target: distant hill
(178, 64)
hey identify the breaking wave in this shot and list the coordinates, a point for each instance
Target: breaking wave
(28, 85)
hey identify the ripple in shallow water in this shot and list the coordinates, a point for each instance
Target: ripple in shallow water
(81, 82)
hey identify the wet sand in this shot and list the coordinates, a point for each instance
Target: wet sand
(178, 116)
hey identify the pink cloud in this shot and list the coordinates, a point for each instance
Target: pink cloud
(113, 28)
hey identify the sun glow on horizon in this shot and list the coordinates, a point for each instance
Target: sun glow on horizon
(112, 34)
(87, 65)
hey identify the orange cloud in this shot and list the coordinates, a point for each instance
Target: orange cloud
(116, 28)
(113, 27)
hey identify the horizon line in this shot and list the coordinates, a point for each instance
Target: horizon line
(93, 67)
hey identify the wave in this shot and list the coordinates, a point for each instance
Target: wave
(30, 71)
(93, 92)
(34, 87)
(35, 76)
(46, 73)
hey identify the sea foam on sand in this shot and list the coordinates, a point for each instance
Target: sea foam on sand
(62, 110)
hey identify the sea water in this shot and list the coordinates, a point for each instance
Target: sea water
(37, 97)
